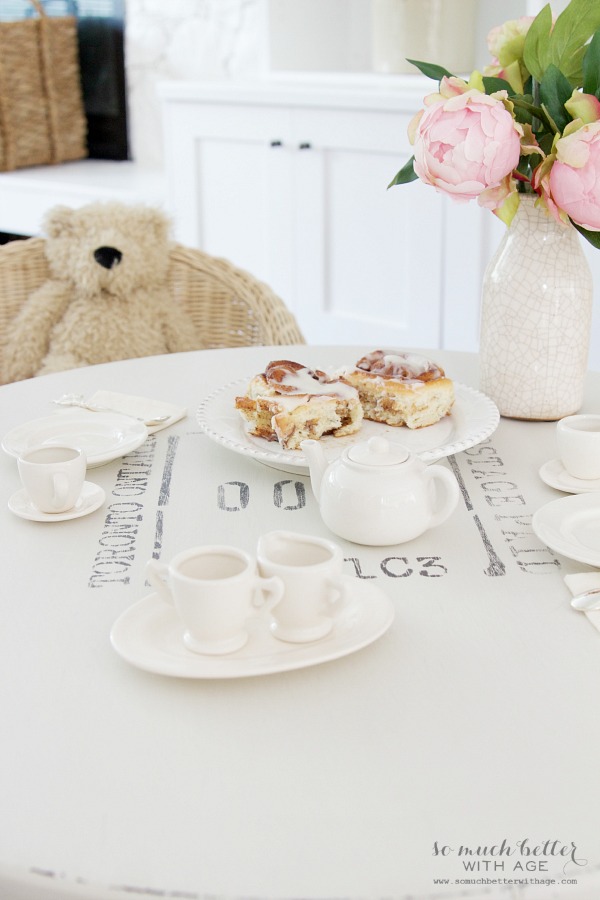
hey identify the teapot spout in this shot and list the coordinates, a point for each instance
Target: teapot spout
(317, 463)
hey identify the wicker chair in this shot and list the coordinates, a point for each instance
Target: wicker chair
(229, 307)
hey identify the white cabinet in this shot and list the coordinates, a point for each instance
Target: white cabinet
(288, 179)
(291, 184)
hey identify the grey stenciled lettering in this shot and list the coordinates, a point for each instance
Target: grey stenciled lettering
(117, 542)
(401, 567)
(395, 567)
(241, 500)
(158, 534)
(431, 564)
(531, 555)
(496, 566)
(165, 485)
(357, 567)
(300, 491)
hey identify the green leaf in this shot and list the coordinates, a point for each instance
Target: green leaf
(521, 110)
(591, 67)
(592, 236)
(431, 69)
(535, 111)
(573, 68)
(492, 84)
(572, 30)
(405, 175)
(545, 142)
(555, 90)
(537, 43)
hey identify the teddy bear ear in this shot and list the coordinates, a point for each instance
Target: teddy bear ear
(158, 222)
(58, 220)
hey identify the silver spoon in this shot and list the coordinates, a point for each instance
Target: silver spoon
(587, 600)
(77, 400)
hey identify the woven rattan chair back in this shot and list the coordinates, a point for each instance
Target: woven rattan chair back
(229, 307)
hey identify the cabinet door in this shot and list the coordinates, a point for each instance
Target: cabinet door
(298, 196)
(229, 185)
(368, 259)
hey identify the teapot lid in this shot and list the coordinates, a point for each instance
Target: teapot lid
(378, 451)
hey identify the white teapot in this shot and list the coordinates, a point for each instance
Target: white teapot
(378, 493)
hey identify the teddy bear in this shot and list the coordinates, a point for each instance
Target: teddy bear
(107, 296)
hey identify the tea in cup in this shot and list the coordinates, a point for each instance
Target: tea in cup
(53, 477)
(215, 590)
(578, 440)
(311, 571)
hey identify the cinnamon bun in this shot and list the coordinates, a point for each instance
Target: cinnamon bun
(399, 388)
(289, 402)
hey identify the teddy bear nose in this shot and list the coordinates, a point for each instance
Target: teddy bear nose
(108, 256)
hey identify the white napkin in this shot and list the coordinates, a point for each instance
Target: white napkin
(585, 581)
(142, 407)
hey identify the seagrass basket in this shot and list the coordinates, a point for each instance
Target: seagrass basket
(229, 307)
(42, 117)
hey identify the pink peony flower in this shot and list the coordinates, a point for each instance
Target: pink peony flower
(466, 144)
(575, 176)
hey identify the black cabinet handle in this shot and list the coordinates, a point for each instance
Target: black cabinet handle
(304, 146)
(276, 143)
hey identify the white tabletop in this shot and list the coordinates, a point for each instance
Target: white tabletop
(471, 722)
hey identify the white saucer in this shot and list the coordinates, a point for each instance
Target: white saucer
(149, 635)
(92, 496)
(102, 436)
(571, 526)
(554, 473)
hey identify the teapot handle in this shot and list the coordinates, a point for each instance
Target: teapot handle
(446, 499)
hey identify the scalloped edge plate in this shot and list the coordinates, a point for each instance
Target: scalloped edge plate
(474, 418)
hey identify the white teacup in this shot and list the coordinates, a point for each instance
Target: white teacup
(215, 589)
(578, 440)
(53, 477)
(311, 571)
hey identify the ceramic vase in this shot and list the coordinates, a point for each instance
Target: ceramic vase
(536, 318)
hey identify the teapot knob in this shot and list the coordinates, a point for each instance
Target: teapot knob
(378, 451)
(378, 445)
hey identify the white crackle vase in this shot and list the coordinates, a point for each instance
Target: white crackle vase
(536, 318)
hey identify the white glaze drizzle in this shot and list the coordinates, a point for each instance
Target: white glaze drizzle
(302, 381)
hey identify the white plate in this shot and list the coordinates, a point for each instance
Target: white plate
(102, 436)
(554, 473)
(571, 526)
(473, 418)
(149, 635)
(92, 497)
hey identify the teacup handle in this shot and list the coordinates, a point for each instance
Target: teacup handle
(449, 493)
(156, 574)
(339, 585)
(268, 593)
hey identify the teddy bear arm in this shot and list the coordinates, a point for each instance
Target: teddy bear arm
(28, 336)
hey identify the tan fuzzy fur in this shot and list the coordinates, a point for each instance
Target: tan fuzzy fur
(87, 314)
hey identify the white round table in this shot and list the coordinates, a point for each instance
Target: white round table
(461, 745)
